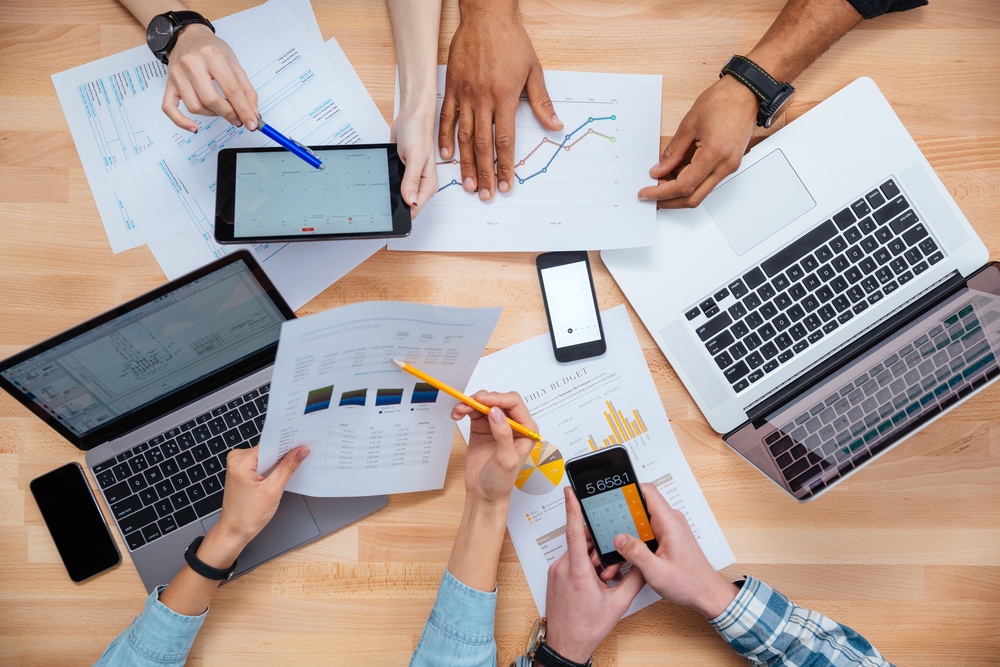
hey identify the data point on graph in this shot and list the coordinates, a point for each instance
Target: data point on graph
(613, 117)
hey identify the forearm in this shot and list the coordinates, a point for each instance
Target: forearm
(490, 11)
(145, 10)
(416, 25)
(476, 554)
(803, 31)
(189, 593)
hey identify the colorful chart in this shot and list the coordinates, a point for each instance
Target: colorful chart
(542, 472)
(354, 397)
(622, 428)
(424, 393)
(318, 399)
(389, 396)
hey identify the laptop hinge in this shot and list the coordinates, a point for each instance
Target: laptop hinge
(856, 347)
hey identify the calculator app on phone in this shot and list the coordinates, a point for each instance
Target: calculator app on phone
(614, 512)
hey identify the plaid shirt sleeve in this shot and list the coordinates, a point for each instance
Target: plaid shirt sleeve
(770, 630)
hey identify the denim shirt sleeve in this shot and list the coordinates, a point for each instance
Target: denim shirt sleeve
(158, 636)
(459, 631)
(768, 629)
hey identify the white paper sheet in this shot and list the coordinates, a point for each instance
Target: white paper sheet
(575, 189)
(579, 407)
(371, 427)
(299, 93)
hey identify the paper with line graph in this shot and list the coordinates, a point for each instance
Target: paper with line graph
(582, 407)
(574, 189)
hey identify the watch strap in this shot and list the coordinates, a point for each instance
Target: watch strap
(185, 18)
(545, 655)
(203, 568)
(770, 93)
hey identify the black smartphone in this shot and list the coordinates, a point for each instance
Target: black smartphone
(271, 195)
(571, 305)
(75, 522)
(612, 501)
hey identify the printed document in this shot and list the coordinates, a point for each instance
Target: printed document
(573, 190)
(371, 427)
(582, 407)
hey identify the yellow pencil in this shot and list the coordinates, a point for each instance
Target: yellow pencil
(468, 400)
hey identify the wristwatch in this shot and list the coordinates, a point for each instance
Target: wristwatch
(203, 568)
(162, 32)
(772, 95)
(543, 654)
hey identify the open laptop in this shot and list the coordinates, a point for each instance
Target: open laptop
(825, 300)
(158, 391)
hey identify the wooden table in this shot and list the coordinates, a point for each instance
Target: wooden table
(907, 551)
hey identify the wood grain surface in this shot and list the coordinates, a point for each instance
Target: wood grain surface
(907, 551)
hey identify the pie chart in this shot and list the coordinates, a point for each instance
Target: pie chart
(542, 472)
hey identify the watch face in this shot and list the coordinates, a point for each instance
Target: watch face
(159, 32)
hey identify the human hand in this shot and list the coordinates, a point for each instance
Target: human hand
(678, 571)
(581, 609)
(490, 62)
(413, 134)
(198, 59)
(708, 146)
(249, 499)
(495, 455)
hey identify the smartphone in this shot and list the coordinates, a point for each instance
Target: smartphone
(612, 502)
(75, 522)
(271, 195)
(571, 305)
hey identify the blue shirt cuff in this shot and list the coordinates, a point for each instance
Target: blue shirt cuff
(159, 635)
(460, 628)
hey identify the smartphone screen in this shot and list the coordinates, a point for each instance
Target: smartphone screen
(75, 522)
(571, 305)
(612, 502)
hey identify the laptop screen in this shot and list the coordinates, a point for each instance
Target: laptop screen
(163, 344)
(869, 404)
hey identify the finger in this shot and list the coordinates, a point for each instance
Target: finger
(635, 551)
(506, 454)
(504, 141)
(702, 191)
(288, 464)
(629, 587)
(428, 186)
(210, 98)
(247, 107)
(660, 511)
(170, 106)
(466, 148)
(538, 98)
(446, 129)
(677, 148)
(576, 539)
(511, 403)
(483, 147)
(703, 163)
(411, 183)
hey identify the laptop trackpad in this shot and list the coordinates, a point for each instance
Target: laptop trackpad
(758, 202)
(291, 525)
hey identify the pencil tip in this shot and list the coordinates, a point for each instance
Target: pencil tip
(398, 363)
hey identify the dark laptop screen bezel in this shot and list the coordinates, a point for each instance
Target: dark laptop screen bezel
(175, 399)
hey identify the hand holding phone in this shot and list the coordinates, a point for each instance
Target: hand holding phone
(75, 522)
(571, 305)
(605, 483)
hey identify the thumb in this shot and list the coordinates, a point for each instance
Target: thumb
(411, 182)
(636, 552)
(506, 453)
(538, 98)
(288, 465)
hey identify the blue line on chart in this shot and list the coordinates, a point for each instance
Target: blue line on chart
(544, 169)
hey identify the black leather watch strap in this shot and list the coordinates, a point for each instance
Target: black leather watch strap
(202, 568)
(544, 655)
(771, 94)
(183, 18)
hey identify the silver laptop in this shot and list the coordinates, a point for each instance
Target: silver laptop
(159, 390)
(787, 301)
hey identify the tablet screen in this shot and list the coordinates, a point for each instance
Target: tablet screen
(278, 195)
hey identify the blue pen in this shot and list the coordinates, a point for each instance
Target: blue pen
(289, 143)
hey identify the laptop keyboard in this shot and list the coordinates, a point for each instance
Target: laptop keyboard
(776, 310)
(851, 425)
(177, 477)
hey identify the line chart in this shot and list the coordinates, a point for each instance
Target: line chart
(565, 145)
